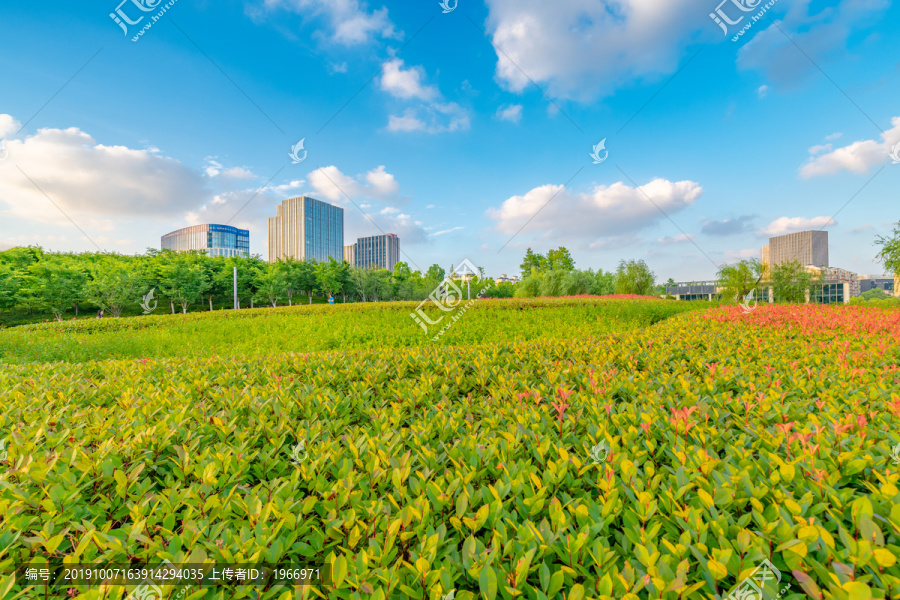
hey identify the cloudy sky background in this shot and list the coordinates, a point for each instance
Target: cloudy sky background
(468, 134)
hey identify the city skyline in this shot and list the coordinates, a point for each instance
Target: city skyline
(688, 156)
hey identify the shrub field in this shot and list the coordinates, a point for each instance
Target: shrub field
(659, 458)
(304, 328)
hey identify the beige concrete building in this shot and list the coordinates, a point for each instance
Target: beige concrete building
(809, 248)
(306, 229)
(350, 254)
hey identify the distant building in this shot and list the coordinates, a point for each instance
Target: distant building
(694, 290)
(504, 279)
(215, 240)
(380, 251)
(306, 229)
(764, 255)
(838, 285)
(877, 282)
(810, 248)
(350, 254)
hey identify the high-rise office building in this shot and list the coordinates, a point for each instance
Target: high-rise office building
(382, 251)
(215, 240)
(809, 248)
(306, 229)
(350, 254)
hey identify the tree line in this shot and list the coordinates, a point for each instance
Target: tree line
(554, 274)
(66, 283)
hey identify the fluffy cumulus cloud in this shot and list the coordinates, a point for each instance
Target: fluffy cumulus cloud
(785, 225)
(406, 83)
(8, 125)
(510, 112)
(821, 30)
(582, 48)
(437, 117)
(351, 22)
(859, 157)
(613, 210)
(92, 181)
(430, 112)
(333, 185)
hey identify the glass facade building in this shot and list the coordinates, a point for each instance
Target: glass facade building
(215, 240)
(382, 251)
(306, 229)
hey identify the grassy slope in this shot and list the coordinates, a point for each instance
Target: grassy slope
(316, 328)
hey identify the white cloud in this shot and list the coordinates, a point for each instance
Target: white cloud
(583, 48)
(762, 91)
(92, 182)
(834, 136)
(606, 211)
(820, 148)
(510, 112)
(785, 225)
(434, 118)
(682, 238)
(238, 173)
(382, 182)
(350, 20)
(406, 84)
(445, 231)
(332, 184)
(339, 67)
(8, 125)
(822, 33)
(858, 157)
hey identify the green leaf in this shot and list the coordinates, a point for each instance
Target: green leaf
(576, 593)
(339, 571)
(487, 583)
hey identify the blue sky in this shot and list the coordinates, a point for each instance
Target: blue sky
(467, 133)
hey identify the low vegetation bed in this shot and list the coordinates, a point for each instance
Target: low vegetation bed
(666, 462)
(307, 328)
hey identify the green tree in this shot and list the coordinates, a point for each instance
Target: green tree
(532, 263)
(185, 279)
(791, 282)
(560, 260)
(739, 279)
(889, 255)
(604, 283)
(634, 277)
(58, 284)
(115, 281)
(270, 284)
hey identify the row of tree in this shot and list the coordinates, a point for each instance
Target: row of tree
(554, 274)
(58, 283)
